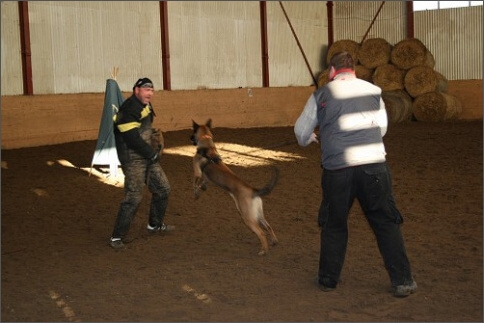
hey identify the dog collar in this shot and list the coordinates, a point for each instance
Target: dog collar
(204, 153)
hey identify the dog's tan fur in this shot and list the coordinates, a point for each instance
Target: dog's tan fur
(208, 165)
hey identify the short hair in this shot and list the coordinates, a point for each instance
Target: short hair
(342, 60)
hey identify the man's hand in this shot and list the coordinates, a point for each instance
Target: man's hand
(313, 138)
(157, 141)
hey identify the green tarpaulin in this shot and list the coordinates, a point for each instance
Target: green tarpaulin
(105, 153)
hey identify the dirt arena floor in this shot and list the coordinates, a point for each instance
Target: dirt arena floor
(57, 220)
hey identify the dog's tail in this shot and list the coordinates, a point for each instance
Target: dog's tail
(270, 186)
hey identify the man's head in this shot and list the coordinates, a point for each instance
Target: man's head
(340, 61)
(143, 89)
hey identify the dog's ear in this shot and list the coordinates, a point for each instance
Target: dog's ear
(209, 123)
(195, 125)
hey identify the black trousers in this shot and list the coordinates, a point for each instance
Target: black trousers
(371, 185)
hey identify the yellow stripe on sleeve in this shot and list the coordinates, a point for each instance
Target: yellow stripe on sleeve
(128, 126)
(145, 112)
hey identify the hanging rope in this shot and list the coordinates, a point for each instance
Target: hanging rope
(299, 45)
(373, 21)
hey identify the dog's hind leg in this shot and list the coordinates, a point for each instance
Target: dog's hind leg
(263, 224)
(254, 226)
(267, 228)
(258, 224)
(248, 209)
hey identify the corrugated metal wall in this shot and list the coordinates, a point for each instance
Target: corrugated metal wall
(214, 44)
(287, 66)
(11, 68)
(454, 37)
(352, 19)
(75, 44)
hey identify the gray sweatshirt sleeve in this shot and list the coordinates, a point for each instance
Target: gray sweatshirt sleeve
(382, 118)
(307, 122)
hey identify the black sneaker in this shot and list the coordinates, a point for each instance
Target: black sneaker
(323, 287)
(405, 289)
(116, 243)
(162, 228)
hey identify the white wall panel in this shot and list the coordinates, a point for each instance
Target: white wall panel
(76, 44)
(214, 44)
(352, 19)
(42, 48)
(12, 82)
(287, 66)
(454, 37)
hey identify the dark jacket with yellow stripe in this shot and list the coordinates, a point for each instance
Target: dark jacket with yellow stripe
(133, 129)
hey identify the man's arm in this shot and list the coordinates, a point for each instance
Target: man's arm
(128, 124)
(382, 118)
(134, 141)
(305, 124)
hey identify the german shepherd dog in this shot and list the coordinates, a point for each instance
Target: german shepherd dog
(208, 166)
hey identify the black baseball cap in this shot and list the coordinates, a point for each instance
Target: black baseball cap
(143, 82)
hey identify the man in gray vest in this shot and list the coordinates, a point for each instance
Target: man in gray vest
(352, 121)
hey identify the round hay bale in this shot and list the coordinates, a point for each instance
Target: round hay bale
(344, 45)
(454, 107)
(420, 80)
(364, 73)
(429, 59)
(398, 105)
(436, 106)
(323, 78)
(409, 53)
(388, 77)
(374, 52)
(442, 82)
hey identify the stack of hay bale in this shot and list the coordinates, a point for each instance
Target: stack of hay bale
(405, 73)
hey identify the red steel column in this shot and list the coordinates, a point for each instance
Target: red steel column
(264, 46)
(23, 9)
(165, 45)
(410, 25)
(329, 10)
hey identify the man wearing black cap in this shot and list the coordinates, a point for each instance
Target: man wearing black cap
(140, 163)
